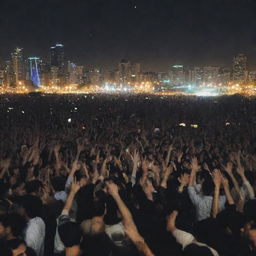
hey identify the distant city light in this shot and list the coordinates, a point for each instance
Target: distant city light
(177, 66)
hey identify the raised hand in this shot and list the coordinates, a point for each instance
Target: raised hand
(228, 168)
(80, 144)
(112, 188)
(75, 186)
(56, 148)
(217, 178)
(184, 179)
(179, 156)
(194, 164)
(240, 170)
(135, 157)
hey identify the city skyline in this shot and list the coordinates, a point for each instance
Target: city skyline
(59, 72)
(155, 33)
(52, 60)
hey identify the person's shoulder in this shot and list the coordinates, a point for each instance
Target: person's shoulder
(37, 221)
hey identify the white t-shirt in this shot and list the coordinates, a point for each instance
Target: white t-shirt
(35, 234)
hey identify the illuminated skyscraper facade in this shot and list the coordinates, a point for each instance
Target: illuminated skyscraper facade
(240, 68)
(124, 68)
(211, 75)
(17, 64)
(57, 57)
(177, 75)
(2, 74)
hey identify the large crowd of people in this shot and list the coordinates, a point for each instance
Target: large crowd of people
(106, 175)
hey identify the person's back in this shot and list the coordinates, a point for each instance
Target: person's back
(34, 233)
(203, 200)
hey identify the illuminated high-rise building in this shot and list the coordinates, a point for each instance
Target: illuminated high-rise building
(2, 74)
(34, 70)
(240, 68)
(76, 73)
(17, 64)
(57, 57)
(252, 76)
(211, 75)
(135, 72)
(54, 78)
(177, 75)
(124, 68)
(224, 76)
(196, 76)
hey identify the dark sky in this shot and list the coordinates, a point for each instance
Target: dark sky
(156, 33)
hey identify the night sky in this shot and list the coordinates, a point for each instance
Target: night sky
(157, 33)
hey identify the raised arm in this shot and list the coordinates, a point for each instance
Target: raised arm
(56, 150)
(167, 160)
(227, 190)
(246, 183)
(217, 182)
(135, 159)
(194, 169)
(80, 147)
(228, 168)
(69, 202)
(130, 227)
(4, 165)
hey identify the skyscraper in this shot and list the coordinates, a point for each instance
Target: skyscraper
(177, 75)
(240, 68)
(135, 72)
(211, 75)
(34, 70)
(17, 64)
(2, 73)
(124, 68)
(76, 73)
(57, 57)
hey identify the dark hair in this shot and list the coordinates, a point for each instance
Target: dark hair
(78, 175)
(30, 252)
(58, 183)
(4, 187)
(232, 219)
(17, 184)
(98, 208)
(16, 222)
(98, 245)
(250, 209)
(194, 249)
(15, 243)
(5, 250)
(33, 186)
(70, 234)
(32, 205)
(208, 186)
